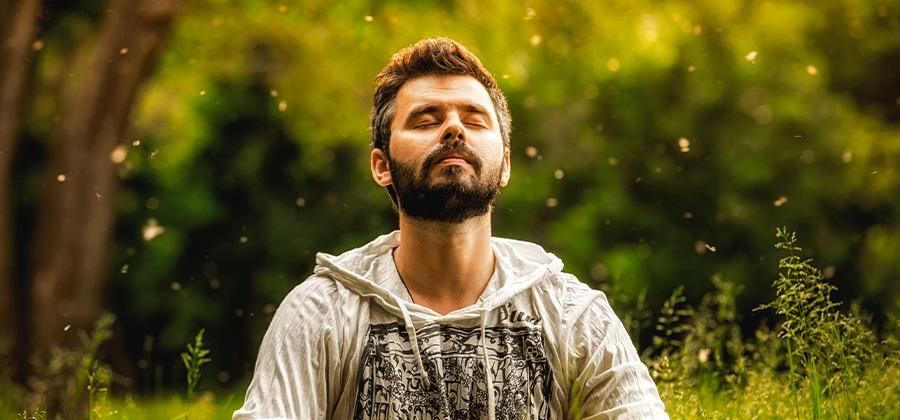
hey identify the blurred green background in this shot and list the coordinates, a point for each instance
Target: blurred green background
(655, 144)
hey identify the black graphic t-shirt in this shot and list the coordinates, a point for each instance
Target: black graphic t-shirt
(391, 386)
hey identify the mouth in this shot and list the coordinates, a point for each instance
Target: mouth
(451, 157)
(452, 160)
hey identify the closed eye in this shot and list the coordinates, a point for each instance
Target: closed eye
(427, 124)
(476, 120)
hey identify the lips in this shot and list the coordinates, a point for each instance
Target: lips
(451, 155)
(454, 159)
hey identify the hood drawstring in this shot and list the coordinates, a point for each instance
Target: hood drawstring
(488, 377)
(526, 265)
(367, 289)
(414, 339)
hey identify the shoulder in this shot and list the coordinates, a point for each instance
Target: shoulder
(584, 311)
(309, 308)
(574, 297)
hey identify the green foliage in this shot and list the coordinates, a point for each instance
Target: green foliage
(823, 341)
(99, 379)
(704, 368)
(73, 382)
(249, 149)
(92, 375)
(35, 415)
(193, 359)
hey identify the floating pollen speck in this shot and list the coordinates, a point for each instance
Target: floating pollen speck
(684, 144)
(531, 151)
(703, 355)
(847, 156)
(613, 64)
(535, 40)
(559, 174)
(123, 51)
(369, 18)
(750, 56)
(282, 106)
(812, 70)
(552, 202)
(529, 14)
(66, 328)
(61, 177)
(152, 229)
(780, 201)
(118, 154)
(273, 93)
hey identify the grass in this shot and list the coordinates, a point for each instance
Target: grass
(193, 359)
(819, 360)
(206, 406)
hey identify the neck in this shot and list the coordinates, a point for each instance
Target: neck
(445, 266)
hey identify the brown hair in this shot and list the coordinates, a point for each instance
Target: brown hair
(440, 56)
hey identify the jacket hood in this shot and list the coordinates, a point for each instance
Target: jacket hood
(520, 265)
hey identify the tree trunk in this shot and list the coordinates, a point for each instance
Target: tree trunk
(18, 19)
(76, 212)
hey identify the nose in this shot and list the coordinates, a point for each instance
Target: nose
(454, 130)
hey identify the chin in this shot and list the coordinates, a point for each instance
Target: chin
(455, 181)
(449, 174)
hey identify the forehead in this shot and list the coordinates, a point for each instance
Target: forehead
(441, 90)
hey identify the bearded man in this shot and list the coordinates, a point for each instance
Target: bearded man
(440, 320)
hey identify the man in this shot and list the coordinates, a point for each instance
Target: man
(439, 320)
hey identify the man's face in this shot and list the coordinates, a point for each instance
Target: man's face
(447, 158)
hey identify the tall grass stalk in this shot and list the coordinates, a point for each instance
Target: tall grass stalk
(820, 338)
(193, 359)
(89, 367)
(815, 390)
(790, 358)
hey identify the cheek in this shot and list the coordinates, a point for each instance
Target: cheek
(494, 155)
(406, 148)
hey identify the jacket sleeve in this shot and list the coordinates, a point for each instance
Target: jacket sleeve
(608, 379)
(290, 379)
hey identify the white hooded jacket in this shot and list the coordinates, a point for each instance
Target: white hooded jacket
(349, 343)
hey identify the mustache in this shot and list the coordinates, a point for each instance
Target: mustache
(454, 148)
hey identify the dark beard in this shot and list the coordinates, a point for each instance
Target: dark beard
(450, 201)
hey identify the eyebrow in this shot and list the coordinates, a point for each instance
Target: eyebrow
(433, 109)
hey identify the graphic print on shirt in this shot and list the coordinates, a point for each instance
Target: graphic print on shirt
(390, 385)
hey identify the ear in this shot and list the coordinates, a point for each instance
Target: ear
(504, 175)
(381, 168)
